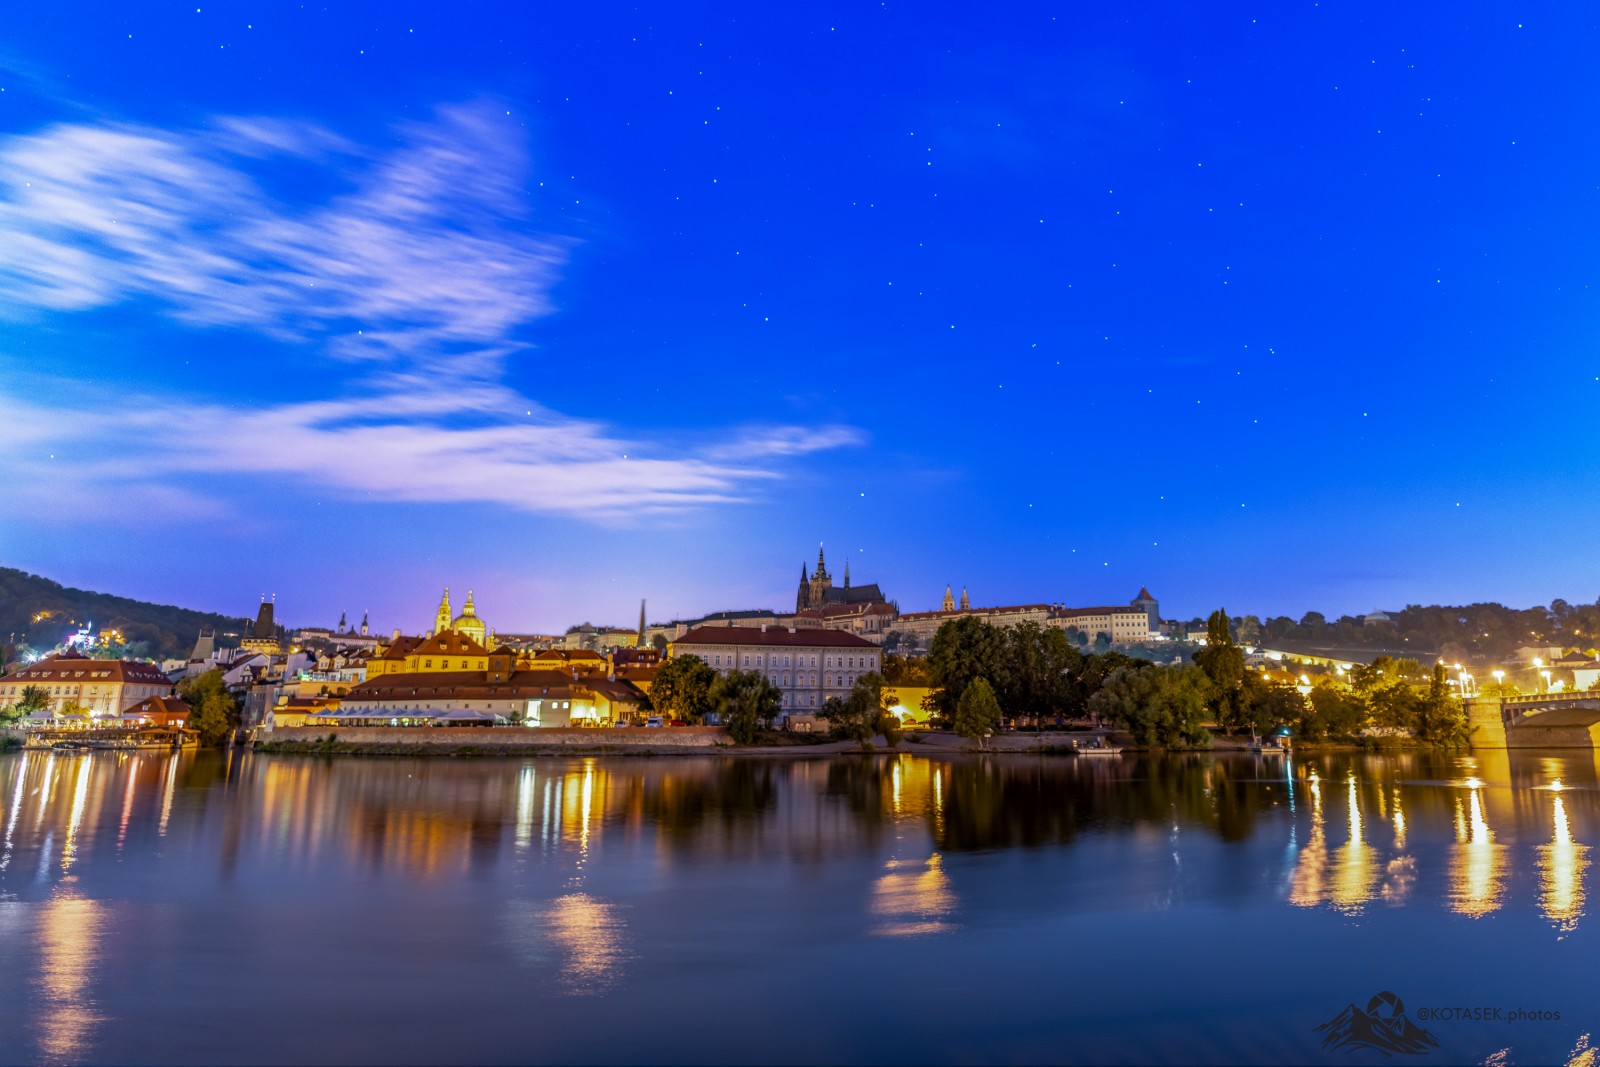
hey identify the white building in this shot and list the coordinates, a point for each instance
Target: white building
(1120, 624)
(808, 666)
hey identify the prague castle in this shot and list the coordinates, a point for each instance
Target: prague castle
(817, 591)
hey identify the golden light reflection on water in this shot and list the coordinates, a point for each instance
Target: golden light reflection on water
(166, 794)
(1561, 866)
(80, 796)
(913, 898)
(1477, 863)
(1306, 884)
(1399, 822)
(592, 938)
(9, 845)
(69, 933)
(1354, 874)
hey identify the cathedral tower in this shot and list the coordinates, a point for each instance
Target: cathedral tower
(949, 603)
(441, 618)
(821, 582)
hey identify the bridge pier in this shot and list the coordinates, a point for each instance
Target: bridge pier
(1486, 717)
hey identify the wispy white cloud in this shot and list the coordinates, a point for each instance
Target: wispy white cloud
(425, 250)
(422, 269)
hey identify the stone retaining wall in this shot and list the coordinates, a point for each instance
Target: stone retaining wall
(505, 736)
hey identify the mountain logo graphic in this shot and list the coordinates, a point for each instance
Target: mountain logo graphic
(1383, 1027)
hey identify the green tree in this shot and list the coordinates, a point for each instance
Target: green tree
(1266, 708)
(858, 716)
(1391, 692)
(904, 670)
(1331, 713)
(682, 688)
(35, 698)
(963, 650)
(745, 700)
(215, 714)
(1162, 707)
(1223, 663)
(1032, 671)
(1441, 718)
(977, 712)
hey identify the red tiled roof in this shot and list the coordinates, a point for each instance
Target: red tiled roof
(72, 667)
(458, 685)
(167, 707)
(567, 655)
(449, 643)
(771, 635)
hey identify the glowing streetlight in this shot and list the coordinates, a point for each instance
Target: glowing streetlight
(1546, 676)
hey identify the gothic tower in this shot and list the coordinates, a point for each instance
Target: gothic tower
(821, 582)
(802, 599)
(949, 603)
(966, 605)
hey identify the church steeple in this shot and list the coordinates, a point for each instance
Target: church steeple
(441, 619)
(363, 622)
(342, 624)
(965, 603)
(847, 574)
(822, 566)
(640, 642)
(949, 601)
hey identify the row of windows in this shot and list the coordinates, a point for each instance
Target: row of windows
(773, 660)
(844, 681)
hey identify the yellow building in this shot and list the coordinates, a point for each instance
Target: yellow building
(464, 643)
(104, 687)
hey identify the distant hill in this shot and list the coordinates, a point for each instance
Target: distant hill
(156, 631)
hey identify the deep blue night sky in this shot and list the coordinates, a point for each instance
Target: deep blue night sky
(1279, 307)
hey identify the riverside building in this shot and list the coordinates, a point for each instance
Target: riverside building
(808, 666)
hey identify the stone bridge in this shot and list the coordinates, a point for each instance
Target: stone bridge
(1555, 720)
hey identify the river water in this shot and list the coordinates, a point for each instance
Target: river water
(208, 908)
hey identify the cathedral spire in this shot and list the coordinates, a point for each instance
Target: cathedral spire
(949, 603)
(822, 566)
(640, 642)
(847, 574)
(965, 603)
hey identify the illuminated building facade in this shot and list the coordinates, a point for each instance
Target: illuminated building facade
(104, 687)
(808, 666)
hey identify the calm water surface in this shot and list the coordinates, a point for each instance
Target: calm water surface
(206, 908)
